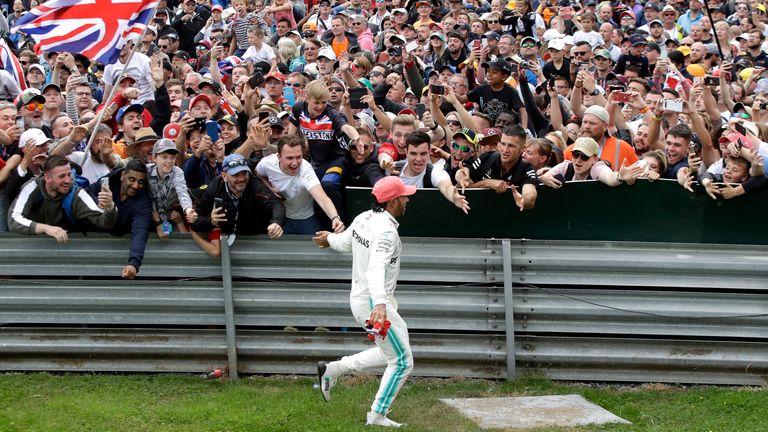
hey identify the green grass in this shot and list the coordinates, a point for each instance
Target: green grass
(42, 402)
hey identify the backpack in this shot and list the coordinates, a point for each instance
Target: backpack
(426, 181)
(66, 204)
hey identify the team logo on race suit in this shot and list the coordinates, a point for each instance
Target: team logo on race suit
(360, 239)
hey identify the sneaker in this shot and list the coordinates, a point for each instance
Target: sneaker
(376, 419)
(326, 381)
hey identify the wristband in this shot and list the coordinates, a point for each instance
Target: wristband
(335, 217)
(645, 109)
(655, 118)
(434, 127)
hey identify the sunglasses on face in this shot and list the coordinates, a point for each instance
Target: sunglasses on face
(293, 84)
(465, 149)
(163, 46)
(336, 89)
(375, 74)
(580, 155)
(34, 106)
(24, 63)
(454, 122)
(528, 45)
(493, 21)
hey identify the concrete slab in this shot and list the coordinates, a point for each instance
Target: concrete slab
(533, 412)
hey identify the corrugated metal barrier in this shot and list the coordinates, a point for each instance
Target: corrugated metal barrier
(578, 310)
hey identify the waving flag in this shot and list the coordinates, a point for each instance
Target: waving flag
(94, 28)
(10, 63)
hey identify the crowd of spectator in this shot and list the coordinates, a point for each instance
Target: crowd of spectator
(247, 117)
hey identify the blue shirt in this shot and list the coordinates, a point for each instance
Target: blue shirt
(685, 21)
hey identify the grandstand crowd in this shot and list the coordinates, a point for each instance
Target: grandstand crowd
(247, 117)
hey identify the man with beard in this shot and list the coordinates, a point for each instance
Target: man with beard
(248, 206)
(503, 169)
(30, 105)
(455, 53)
(594, 125)
(134, 210)
(698, 50)
(755, 51)
(416, 170)
(101, 158)
(52, 203)
(641, 140)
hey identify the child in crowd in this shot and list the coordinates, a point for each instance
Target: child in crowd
(169, 190)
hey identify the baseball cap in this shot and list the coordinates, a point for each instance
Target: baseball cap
(438, 35)
(229, 118)
(34, 134)
(217, 7)
(137, 108)
(50, 84)
(275, 122)
(164, 145)
(685, 50)
(556, 44)
(212, 84)
(637, 39)
(628, 12)
(391, 187)
(327, 52)
(604, 53)
(309, 27)
(598, 112)
(234, 163)
(492, 35)
(655, 22)
(182, 55)
(398, 38)
(39, 67)
(552, 34)
(467, 133)
(501, 65)
(651, 5)
(586, 145)
(762, 86)
(28, 96)
(275, 75)
(171, 131)
(399, 10)
(198, 98)
(490, 136)
(528, 39)
(423, 2)
(733, 137)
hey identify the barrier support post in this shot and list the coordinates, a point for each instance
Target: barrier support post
(229, 308)
(509, 317)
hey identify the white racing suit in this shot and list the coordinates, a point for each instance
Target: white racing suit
(375, 245)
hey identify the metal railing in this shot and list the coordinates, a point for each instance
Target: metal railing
(480, 308)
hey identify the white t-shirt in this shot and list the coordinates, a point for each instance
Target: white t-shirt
(295, 189)
(265, 54)
(438, 175)
(92, 170)
(139, 69)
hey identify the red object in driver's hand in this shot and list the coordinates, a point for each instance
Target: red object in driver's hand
(376, 330)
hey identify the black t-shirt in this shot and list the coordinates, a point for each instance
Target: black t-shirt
(7, 151)
(493, 102)
(324, 137)
(625, 60)
(760, 61)
(549, 70)
(488, 167)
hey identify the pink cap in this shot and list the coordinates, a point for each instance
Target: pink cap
(217, 7)
(391, 187)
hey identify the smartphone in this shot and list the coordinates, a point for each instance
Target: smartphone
(551, 83)
(621, 97)
(437, 89)
(692, 147)
(642, 163)
(672, 105)
(411, 46)
(20, 122)
(763, 105)
(515, 69)
(484, 43)
(263, 116)
(256, 80)
(212, 129)
(355, 95)
(105, 184)
(218, 203)
(712, 81)
(184, 105)
(289, 95)
(476, 44)
(740, 129)
(584, 67)
(420, 109)
(199, 123)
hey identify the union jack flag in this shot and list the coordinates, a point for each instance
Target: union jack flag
(10, 63)
(95, 28)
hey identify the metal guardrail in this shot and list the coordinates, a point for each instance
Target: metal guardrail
(577, 311)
